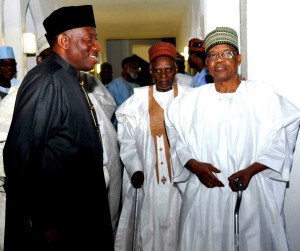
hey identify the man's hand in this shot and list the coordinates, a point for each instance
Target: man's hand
(137, 179)
(245, 175)
(204, 172)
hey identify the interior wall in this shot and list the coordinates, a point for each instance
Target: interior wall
(2, 22)
(13, 19)
(220, 13)
(117, 50)
(183, 35)
(40, 10)
(273, 57)
(30, 27)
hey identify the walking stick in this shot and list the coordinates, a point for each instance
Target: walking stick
(135, 220)
(239, 191)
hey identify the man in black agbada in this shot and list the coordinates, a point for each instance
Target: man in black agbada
(56, 195)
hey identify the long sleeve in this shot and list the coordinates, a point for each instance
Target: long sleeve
(127, 124)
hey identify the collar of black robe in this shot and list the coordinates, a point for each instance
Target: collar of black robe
(64, 64)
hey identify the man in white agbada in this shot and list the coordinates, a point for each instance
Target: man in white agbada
(145, 154)
(226, 130)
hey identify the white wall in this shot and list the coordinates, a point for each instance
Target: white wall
(220, 13)
(13, 19)
(273, 56)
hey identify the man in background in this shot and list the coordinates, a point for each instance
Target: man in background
(53, 156)
(106, 73)
(145, 152)
(43, 49)
(197, 61)
(182, 77)
(121, 88)
(8, 70)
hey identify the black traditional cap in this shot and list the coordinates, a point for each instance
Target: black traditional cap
(67, 18)
(127, 60)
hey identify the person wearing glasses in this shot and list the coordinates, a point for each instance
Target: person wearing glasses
(232, 129)
(145, 152)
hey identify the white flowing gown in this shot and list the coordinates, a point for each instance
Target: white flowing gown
(159, 204)
(231, 131)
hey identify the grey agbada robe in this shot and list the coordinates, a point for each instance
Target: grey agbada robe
(105, 106)
(53, 165)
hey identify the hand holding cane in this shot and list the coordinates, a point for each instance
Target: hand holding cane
(137, 181)
(239, 190)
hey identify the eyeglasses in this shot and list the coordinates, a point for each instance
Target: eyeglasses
(225, 55)
(158, 71)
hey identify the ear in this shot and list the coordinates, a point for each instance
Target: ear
(239, 59)
(63, 41)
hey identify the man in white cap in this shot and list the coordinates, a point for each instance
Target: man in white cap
(44, 49)
(53, 157)
(8, 70)
(230, 130)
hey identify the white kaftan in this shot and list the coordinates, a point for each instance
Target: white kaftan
(158, 203)
(7, 105)
(231, 131)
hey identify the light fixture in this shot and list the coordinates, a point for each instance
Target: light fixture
(185, 53)
(29, 43)
(97, 68)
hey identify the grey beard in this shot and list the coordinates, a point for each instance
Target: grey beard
(132, 74)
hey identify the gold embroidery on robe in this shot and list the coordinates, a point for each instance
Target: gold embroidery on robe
(157, 127)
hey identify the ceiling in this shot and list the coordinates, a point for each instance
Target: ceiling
(134, 19)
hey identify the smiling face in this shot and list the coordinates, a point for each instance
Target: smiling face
(8, 68)
(81, 47)
(223, 69)
(163, 70)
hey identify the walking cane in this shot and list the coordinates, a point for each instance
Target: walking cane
(239, 191)
(135, 220)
